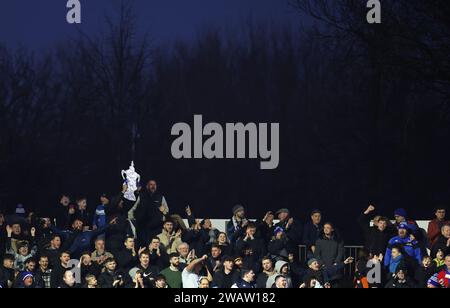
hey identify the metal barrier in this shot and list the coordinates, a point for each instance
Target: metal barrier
(350, 251)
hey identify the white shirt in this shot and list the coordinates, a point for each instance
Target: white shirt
(190, 280)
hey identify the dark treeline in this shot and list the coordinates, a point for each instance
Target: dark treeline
(363, 111)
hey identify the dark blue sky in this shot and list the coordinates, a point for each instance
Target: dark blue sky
(39, 24)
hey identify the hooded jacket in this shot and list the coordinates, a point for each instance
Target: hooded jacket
(278, 267)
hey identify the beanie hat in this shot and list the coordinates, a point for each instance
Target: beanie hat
(26, 275)
(237, 208)
(400, 212)
(311, 261)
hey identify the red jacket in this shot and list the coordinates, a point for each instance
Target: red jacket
(434, 230)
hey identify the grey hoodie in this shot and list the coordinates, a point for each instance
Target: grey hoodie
(271, 280)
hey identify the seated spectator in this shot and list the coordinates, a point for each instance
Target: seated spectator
(442, 278)
(442, 242)
(246, 281)
(406, 243)
(170, 239)
(173, 273)
(435, 226)
(312, 231)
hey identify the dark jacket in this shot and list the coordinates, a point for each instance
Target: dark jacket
(106, 279)
(264, 231)
(234, 232)
(61, 216)
(117, 233)
(279, 248)
(6, 274)
(126, 261)
(149, 274)
(311, 234)
(423, 274)
(256, 245)
(330, 252)
(57, 275)
(149, 219)
(261, 281)
(394, 283)
(321, 276)
(376, 241)
(242, 284)
(441, 244)
(224, 281)
(294, 233)
(77, 242)
(197, 240)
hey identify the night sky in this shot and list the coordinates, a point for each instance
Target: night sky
(350, 132)
(165, 20)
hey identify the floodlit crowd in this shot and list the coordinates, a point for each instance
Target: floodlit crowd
(141, 244)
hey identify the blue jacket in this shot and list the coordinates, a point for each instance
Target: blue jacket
(100, 216)
(412, 248)
(77, 242)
